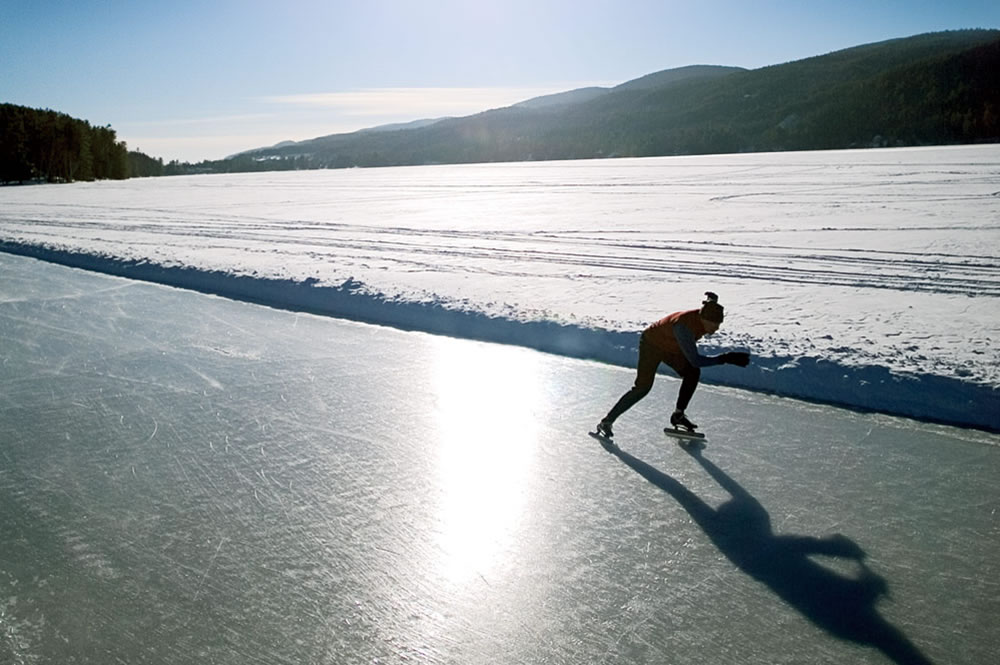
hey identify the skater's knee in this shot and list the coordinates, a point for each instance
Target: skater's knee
(641, 389)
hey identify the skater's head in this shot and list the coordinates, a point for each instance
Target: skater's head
(712, 312)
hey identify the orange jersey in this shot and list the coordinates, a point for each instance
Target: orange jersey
(661, 333)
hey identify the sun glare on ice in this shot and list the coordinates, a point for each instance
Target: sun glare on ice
(486, 397)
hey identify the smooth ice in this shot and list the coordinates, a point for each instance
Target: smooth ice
(187, 479)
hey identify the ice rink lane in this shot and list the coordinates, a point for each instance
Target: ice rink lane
(189, 479)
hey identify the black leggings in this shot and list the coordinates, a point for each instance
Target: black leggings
(650, 358)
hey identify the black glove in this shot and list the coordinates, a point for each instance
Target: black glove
(736, 358)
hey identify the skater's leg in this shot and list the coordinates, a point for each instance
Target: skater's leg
(628, 400)
(649, 360)
(690, 376)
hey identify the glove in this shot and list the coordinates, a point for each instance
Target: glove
(736, 358)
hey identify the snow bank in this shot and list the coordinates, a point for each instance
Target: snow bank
(868, 387)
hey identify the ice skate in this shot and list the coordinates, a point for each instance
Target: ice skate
(681, 423)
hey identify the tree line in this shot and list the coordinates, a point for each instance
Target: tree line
(43, 145)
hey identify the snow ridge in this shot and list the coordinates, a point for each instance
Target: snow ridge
(922, 396)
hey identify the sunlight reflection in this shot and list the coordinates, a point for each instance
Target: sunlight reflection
(486, 401)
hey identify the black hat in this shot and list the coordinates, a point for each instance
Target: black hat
(711, 310)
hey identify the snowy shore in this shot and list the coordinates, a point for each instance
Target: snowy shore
(875, 388)
(868, 279)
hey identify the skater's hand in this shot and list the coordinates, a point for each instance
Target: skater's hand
(736, 358)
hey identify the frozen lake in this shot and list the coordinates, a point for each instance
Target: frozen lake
(189, 479)
(868, 278)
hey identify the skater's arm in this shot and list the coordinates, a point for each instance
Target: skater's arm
(685, 339)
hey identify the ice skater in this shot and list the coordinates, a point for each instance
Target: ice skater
(672, 340)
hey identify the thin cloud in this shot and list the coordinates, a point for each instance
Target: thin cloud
(208, 120)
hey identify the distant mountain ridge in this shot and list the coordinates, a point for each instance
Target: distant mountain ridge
(656, 80)
(669, 77)
(936, 88)
(648, 82)
(413, 124)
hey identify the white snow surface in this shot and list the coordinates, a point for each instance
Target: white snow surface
(866, 278)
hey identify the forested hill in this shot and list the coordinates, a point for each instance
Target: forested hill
(938, 88)
(39, 144)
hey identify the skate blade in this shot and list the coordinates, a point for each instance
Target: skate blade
(683, 434)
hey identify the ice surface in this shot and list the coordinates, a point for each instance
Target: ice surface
(869, 278)
(190, 479)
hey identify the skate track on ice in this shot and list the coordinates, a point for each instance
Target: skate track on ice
(188, 478)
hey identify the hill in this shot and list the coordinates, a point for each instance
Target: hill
(933, 89)
(647, 82)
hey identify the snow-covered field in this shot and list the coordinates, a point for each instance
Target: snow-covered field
(866, 278)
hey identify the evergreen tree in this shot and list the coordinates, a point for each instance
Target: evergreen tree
(46, 145)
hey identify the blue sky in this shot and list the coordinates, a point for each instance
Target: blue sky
(202, 79)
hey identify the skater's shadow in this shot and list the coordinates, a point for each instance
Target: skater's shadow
(741, 528)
